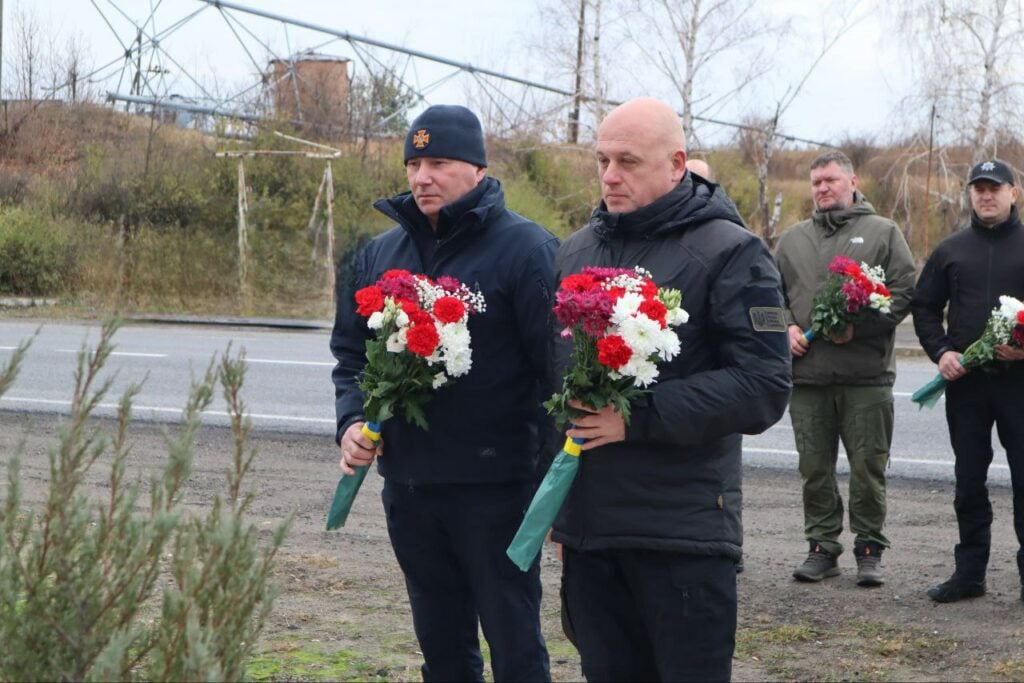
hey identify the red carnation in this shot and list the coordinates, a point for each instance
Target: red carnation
(417, 316)
(448, 309)
(840, 264)
(615, 293)
(1018, 335)
(422, 339)
(655, 310)
(395, 273)
(883, 290)
(613, 351)
(577, 283)
(1020, 317)
(649, 289)
(370, 300)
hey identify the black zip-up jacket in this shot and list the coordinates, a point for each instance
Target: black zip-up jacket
(969, 270)
(674, 483)
(484, 426)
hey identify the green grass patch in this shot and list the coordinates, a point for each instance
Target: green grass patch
(292, 660)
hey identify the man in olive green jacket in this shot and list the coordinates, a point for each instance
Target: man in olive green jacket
(843, 384)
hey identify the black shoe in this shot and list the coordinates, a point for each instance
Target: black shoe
(957, 589)
(869, 560)
(820, 564)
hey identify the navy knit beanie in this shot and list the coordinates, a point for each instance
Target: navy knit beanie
(446, 131)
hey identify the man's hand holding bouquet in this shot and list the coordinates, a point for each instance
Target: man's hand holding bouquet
(420, 342)
(1002, 339)
(620, 324)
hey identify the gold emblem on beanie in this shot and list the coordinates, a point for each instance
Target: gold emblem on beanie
(421, 139)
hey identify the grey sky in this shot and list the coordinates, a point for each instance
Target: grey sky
(854, 91)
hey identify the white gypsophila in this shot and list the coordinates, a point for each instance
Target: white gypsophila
(1009, 307)
(668, 344)
(440, 379)
(630, 282)
(874, 273)
(625, 307)
(396, 341)
(376, 320)
(880, 302)
(641, 334)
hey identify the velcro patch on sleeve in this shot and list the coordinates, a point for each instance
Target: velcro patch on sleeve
(767, 319)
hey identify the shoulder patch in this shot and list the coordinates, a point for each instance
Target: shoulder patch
(767, 319)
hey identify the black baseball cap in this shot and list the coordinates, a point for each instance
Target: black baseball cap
(994, 170)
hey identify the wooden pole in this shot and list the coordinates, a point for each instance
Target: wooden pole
(329, 177)
(243, 230)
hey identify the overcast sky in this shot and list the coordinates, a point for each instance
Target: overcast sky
(856, 89)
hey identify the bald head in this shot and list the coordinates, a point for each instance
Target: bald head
(640, 153)
(700, 167)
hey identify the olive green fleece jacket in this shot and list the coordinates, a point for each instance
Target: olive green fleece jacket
(803, 255)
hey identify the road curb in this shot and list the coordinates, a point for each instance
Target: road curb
(271, 323)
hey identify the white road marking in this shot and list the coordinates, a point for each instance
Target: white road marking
(911, 461)
(159, 409)
(274, 361)
(131, 354)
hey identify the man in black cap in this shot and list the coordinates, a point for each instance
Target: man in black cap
(454, 495)
(969, 271)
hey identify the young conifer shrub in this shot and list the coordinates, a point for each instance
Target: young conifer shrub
(121, 588)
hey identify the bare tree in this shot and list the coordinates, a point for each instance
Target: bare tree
(967, 51)
(768, 140)
(686, 39)
(26, 50)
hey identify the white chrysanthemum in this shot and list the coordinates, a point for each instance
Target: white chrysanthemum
(440, 379)
(396, 342)
(641, 334)
(376, 320)
(668, 344)
(643, 371)
(1009, 307)
(626, 307)
(676, 316)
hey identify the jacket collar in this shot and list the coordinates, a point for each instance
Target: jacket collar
(1000, 228)
(469, 212)
(831, 221)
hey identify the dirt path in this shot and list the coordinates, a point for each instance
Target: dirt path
(343, 612)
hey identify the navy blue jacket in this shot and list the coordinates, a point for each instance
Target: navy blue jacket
(675, 482)
(484, 426)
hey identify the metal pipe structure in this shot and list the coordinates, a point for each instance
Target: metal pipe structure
(466, 66)
(182, 106)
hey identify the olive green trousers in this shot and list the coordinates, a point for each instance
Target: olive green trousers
(862, 418)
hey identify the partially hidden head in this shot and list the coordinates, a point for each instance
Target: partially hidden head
(445, 157)
(833, 182)
(641, 154)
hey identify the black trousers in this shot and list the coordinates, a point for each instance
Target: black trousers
(647, 615)
(973, 404)
(450, 541)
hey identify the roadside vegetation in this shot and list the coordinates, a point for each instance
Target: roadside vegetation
(105, 211)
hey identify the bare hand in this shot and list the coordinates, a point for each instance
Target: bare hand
(798, 343)
(357, 450)
(843, 338)
(598, 427)
(1010, 353)
(950, 367)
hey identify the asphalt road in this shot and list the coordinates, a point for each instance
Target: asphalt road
(288, 387)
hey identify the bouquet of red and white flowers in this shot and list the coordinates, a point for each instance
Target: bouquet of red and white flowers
(620, 324)
(1005, 325)
(421, 340)
(848, 291)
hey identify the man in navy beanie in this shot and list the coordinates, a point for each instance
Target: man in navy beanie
(454, 495)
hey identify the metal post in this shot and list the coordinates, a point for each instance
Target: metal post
(928, 182)
(574, 117)
(243, 236)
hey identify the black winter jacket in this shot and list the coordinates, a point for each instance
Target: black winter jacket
(484, 426)
(969, 270)
(675, 482)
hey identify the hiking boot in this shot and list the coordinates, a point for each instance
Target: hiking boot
(819, 564)
(869, 563)
(956, 589)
